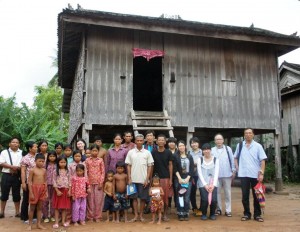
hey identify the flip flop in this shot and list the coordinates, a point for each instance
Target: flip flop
(165, 219)
(142, 219)
(259, 219)
(245, 218)
(132, 220)
(55, 226)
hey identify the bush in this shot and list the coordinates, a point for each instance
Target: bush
(269, 172)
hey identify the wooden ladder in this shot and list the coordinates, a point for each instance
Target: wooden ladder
(148, 120)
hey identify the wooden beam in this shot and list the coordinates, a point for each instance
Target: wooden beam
(197, 30)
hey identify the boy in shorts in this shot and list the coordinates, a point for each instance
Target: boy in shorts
(109, 199)
(37, 185)
(120, 182)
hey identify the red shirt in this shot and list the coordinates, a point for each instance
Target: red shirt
(95, 170)
(79, 186)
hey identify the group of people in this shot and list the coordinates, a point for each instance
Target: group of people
(78, 185)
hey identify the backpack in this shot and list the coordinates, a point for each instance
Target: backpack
(202, 160)
(228, 157)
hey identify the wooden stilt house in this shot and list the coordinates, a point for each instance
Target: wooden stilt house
(180, 77)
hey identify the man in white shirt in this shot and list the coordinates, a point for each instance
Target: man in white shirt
(139, 164)
(226, 173)
(10, 160)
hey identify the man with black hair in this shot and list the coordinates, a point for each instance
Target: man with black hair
(163, 167)
(250, 165)
(102, 151)
(10, 160)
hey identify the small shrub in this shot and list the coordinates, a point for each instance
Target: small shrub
(269, 172)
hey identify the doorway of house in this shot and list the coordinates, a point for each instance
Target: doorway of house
(147, 84)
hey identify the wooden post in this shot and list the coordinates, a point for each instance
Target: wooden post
(189, 135)
(278, 170)
(85, 135)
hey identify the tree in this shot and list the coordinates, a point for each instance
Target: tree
(42, 121)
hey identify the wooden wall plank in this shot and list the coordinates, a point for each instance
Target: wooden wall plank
(201, 67)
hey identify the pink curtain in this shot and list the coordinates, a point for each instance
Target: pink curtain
(148, 54)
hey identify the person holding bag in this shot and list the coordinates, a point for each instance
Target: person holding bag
(10, 161)
(183, 168)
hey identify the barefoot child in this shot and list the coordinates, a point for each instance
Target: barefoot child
(68, 153)
(37, 184)
(77, 157)
(109, 199)
(50, 169)
(62, 186)
(95, 173)
(157, 205)
(120, 182)
(80, 188)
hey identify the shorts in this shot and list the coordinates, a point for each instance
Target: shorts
(142, 193)
(109, 204)
(156, 206)
(125, 203)
(39, 192)
(9, 181)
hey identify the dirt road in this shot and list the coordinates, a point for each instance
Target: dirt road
(282, 213)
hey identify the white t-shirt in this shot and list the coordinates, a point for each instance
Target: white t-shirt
(16, 157)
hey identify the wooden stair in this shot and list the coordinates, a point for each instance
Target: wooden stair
(148, 120)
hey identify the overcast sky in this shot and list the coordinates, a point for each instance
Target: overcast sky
(29, 30)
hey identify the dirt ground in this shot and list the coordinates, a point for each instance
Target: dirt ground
(282, 213)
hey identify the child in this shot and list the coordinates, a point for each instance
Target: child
(95, 174)
(208, 170)
(80, 187)
(61, 197)
(43, 148)
(157, 204)
(37, 190)
(120, 182)
(109, 200)
(68, 153)
(76, 160)
(88, 153)
(50, 169)
(58, 148)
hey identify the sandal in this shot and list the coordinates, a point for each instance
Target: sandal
(228, 214)
(66, 224)
(132, 220)
(55, 226)
(218, 212)
(259, 219)
(245, 218)
(165, 219)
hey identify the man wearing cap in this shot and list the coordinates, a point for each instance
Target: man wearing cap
(226, 173)
(250, 165)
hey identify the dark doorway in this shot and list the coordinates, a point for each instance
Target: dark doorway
(147, 84)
